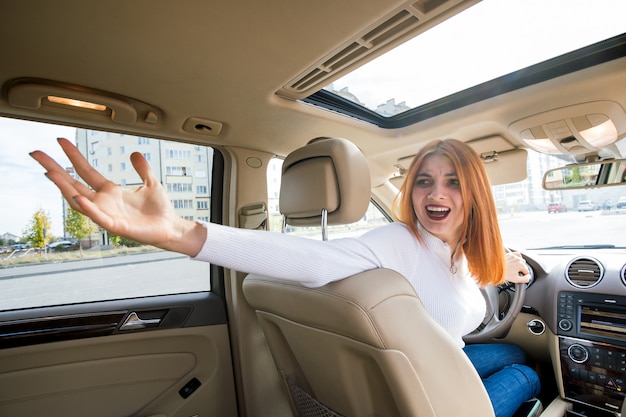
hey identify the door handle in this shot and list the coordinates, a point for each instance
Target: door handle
(134, 322)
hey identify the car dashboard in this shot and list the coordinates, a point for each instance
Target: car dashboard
(580, 295)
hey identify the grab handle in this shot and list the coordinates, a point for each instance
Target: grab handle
(134, 322)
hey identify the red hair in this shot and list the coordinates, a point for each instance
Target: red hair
(480, 238)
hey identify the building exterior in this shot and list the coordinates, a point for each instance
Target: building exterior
(9, 238)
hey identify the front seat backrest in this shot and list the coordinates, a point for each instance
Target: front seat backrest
(364, 345)
(324, 183)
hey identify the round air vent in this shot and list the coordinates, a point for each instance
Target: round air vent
(584, 272)
(623, 274)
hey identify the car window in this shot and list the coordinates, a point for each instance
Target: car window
(373, 217)
(49, 255)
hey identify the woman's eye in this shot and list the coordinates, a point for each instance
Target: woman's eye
(454, 182)
(422, 182)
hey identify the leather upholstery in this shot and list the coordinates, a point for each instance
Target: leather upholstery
(365, 346)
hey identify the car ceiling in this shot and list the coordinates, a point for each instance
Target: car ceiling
(221, 63)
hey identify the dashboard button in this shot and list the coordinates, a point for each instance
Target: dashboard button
(578, 353)
(565, 325)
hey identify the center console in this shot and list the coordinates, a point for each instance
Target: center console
(592, 347)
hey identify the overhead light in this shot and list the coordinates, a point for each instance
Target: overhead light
(566, 136)
(77, 103)
(537, 139)
(35, 96)
(578, 130)
(602, 134)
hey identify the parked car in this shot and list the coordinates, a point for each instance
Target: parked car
(20, 246)
(63, 245)
(556, 208)
(216, 94)
(621, 203)
(586, 205)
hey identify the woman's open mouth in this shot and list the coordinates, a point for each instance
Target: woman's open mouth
(437, 212)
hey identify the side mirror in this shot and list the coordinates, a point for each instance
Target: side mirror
(590, 175)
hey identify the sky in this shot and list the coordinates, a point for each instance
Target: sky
(24, 188)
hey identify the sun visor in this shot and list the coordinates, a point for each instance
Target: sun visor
(507, 167)
(504, 163)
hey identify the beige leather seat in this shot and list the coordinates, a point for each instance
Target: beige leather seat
(362, 346)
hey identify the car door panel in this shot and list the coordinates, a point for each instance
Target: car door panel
(75, 360)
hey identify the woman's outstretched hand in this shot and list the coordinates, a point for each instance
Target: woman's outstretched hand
(144, 215)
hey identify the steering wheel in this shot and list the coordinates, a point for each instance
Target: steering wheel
(497, 323)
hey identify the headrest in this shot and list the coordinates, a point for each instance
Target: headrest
(327, 173)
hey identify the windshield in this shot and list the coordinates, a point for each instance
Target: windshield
(531, 217)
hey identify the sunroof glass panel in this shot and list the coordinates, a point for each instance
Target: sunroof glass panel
(488, 40)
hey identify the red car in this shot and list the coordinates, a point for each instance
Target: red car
(556, 208)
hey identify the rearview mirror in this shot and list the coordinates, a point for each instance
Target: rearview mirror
(589, 175)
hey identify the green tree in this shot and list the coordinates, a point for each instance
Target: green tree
(115, 240)
(118, 241)
(79, 226)
(38, 232)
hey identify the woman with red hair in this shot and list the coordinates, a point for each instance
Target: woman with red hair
(448, 194)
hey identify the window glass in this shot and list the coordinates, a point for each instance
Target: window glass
(42, 266)
(373, 217)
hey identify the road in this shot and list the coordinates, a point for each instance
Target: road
(101, 279)
(158, 273)
(540, 229)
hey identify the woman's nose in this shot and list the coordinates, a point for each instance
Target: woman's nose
(437, 191)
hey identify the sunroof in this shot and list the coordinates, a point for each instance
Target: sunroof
(490, 39)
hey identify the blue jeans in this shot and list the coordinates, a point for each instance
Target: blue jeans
(508, 381)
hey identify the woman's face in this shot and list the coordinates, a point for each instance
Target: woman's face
(436, 198)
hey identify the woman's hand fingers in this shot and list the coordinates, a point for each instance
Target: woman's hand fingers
(59, 176)
(92, 177)
(143, 169)
(516, 268)
(79, 196)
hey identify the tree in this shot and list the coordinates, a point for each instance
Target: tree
(118, 241)
(115, 240)
(79, 226)
(38, 232)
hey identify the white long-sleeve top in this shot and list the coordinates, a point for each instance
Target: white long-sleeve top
(452, 298)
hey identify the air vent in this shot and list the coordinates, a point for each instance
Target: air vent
(623, 275)
(391, 29)
(584, 272)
